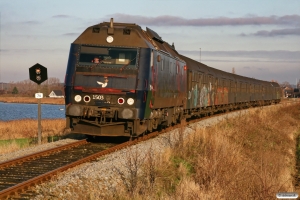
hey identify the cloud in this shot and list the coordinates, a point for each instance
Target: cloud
(32, 22)
(29, 50)
(71, 34)
(61, 16)
(278, 32)
(255, 68)
(167, 20)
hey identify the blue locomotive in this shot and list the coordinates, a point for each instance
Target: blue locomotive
(122, 80)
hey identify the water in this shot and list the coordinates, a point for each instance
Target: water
(14, 111)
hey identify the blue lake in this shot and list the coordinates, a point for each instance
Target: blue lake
(14, 111)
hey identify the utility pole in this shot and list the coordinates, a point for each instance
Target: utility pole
(200, 54)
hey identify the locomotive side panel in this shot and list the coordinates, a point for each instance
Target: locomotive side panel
(168, 81)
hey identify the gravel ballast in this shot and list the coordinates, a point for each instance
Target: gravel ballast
(106, 171)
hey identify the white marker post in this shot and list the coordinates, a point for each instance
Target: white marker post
(39, 96)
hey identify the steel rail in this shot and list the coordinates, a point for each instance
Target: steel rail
(41, 153)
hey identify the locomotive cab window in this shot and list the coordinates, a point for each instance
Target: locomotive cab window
(109, 57)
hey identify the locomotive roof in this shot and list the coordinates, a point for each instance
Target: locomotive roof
(200, 67)
(124, 34)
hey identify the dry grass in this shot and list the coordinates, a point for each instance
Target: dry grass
(249, 157)
(59, 101)
(27, 128)
(11, 147)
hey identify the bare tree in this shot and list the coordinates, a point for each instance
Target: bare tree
(54, 84)
(285, 84)
(29, 88)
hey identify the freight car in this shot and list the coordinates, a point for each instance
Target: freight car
(122, 80)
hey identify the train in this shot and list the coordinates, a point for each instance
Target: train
(122, 80)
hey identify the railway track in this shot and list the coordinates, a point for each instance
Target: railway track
(18, 175)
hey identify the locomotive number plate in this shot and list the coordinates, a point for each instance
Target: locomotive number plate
(98, 97)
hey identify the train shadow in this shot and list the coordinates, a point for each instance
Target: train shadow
(90, 138)
(107, 139)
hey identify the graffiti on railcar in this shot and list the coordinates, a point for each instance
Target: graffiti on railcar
(225, 95)
(204, 96)
(207, 95)
(221, 96)
(211, 95)
(195, 95)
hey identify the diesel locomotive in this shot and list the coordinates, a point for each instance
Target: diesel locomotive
(122, 80)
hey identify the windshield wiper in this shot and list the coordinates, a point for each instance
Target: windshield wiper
(124, 66)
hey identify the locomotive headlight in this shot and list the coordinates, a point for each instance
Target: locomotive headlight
(127, 113)
(109, 39)
(77, 98)
(130, 101)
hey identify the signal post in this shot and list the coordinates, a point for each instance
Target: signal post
(38, 74)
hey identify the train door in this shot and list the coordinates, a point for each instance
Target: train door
(189, 91)
(194, 91)
(200, 82)
(201, 88)
(219, 91)
(226, 91)
(216, 91)
(232, 92)
(240, 91)
(222, 91)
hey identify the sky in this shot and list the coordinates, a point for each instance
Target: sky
(258, 38)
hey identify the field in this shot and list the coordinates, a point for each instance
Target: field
(18, 134)
(249, 157)
(59, 101)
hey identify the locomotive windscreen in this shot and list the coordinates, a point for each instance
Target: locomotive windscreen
(107, 67)
(108, 57)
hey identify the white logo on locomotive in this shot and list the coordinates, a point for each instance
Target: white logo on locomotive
(105, 82)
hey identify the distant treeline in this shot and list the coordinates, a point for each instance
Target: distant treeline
(29, 88)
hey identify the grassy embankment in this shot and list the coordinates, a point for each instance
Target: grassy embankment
(32, 100)
(17, 134)
(249, 157)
